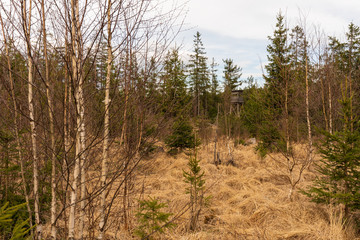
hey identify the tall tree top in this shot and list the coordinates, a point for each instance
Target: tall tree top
(232, 73)
(278, 54)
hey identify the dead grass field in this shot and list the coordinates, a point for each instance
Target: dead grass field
(249, 200)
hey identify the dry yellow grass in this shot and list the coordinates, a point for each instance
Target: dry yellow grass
(249, 201)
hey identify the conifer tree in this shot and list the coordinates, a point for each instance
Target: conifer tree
(214, 80)
(346, 56)
(339, 182)
(176, 102)
(232, 73)
(276, 129)
(277, 68)
(199, 76)
(176, 99)
(196, 188)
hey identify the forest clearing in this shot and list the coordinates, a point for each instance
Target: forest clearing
(111, 129)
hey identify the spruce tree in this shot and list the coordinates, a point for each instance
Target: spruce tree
(274, 133)
(199, 76)
(277, 68)
(194, 177)
(232, 73)
(176, 103)
(346, 57)
(176, 99)
(339, 180)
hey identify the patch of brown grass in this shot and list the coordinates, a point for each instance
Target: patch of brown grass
(249, 201)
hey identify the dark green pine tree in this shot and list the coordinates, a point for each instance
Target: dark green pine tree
(339, 181)
(278, 67)
(298, 53)
(176, 99)
(274, 131)
(346, 56)
(199, 76)
(176, 103)
(232, 73)
(214, 80)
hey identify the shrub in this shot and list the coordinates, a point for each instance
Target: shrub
(151, 218)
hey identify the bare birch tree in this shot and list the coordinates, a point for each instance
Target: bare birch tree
(106, 124)
(26, 24)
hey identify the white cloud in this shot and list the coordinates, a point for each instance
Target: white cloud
(239, 29)
(256, 19)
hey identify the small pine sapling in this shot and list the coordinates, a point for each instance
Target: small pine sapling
(195, 178)
(8, 227)
(182, 136)
(151, 218)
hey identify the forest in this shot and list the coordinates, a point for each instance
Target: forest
(109, 131)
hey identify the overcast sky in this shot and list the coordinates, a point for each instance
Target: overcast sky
(239, 29)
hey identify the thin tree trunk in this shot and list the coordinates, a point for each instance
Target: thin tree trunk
(126, 226)
(82, 127)
(83, 153)
(77, 82)
(106, 129)
(17, 137)
(216, 137)
(52, 137)
(330, 110)
(308, 114)
(67, 110)
(323, 103)
(27, 30)
(126, 78)
(287, 112)
(351, 103)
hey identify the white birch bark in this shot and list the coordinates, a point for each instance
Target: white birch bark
(308, 114)
(51, 120)
(75, 76)
(27, 29)
(82, 126)
(106, 129)
(17, 137)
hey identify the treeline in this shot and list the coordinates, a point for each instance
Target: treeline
(88, 88)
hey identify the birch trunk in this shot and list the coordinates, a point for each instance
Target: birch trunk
(27, 29)
(67, 146)
(127, 80)
(17, 137)
(77, 84)
(82, 127)
(106, 129)
(308, 114)
(51, 120)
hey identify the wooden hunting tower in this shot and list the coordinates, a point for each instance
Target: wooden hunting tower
(237, 100)
(237, 97)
